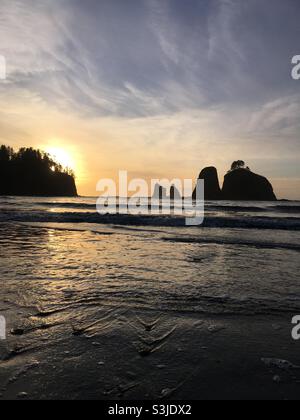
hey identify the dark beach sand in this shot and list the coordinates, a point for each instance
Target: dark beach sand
(118, 313)
(149, 355)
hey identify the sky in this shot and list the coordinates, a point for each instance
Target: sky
(161, 88)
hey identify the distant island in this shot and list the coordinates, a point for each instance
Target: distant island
(30, 172)
(240, 184)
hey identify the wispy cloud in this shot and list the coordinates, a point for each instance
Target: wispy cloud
(205, 79)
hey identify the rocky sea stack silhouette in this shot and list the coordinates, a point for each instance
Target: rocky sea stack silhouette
(31, 172)
(244, 185)
(240, 184)
(162, 193)
(211, 182)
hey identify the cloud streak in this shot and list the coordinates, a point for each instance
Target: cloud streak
(206, 78)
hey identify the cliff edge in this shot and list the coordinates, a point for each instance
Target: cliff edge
(31, 172)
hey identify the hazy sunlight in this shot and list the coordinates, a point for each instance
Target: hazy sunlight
(62, 157)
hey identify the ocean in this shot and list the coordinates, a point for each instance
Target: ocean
(245, 258)
(68, 273)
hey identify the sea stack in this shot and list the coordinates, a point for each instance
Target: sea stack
(211, 184)
(162, 193)
(159, 193)
(243, 185)
(175, 193)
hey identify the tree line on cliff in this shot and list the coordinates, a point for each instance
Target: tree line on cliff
(33, 172)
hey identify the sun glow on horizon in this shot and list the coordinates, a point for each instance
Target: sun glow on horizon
(62, 157)
(68, 156)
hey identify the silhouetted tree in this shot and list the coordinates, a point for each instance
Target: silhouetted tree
(33, 172)
(6, 153)
(238, 164)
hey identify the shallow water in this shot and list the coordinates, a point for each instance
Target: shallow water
(63, 275)
(117, 262)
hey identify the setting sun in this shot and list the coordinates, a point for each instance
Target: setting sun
(62, 157)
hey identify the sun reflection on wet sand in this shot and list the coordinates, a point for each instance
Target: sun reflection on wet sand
(88, 294)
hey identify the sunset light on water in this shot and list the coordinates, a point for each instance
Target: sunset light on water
(149, 203)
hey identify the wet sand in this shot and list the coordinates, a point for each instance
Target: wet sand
(114, 313)
(147, 355)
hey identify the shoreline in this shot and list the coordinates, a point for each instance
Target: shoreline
(183, 357)
(122, 313)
